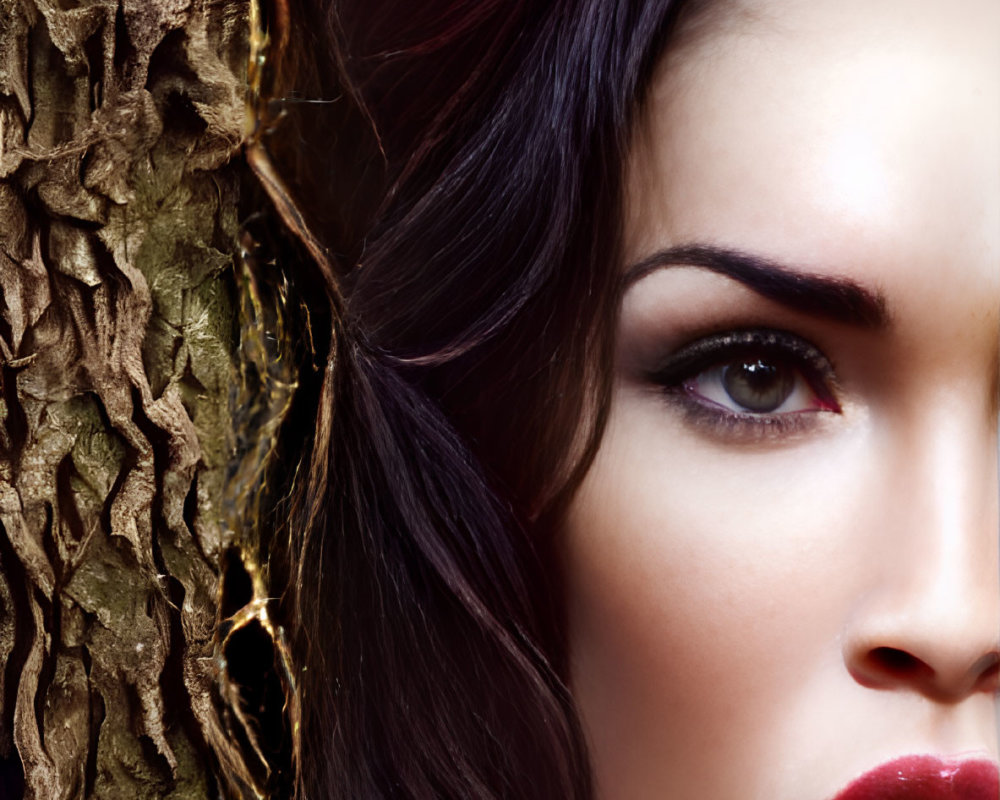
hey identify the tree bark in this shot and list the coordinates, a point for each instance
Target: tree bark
(119, 122)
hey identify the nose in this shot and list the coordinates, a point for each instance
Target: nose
(930, 618)
(942, 673)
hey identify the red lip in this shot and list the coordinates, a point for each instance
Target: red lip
(927, 778)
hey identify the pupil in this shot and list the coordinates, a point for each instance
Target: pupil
(758, 385)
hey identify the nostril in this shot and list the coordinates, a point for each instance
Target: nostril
(893, 667)
(989, 677)
(896, 663)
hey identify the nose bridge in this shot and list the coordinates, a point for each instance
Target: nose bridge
(953, 469)
(934, 623)
(955, 529)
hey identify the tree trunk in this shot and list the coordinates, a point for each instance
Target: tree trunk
(119, 120)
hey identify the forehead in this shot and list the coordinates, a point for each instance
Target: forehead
(857, 137)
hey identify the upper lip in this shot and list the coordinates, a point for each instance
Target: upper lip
(927, 777)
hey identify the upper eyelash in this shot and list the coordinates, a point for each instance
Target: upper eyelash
(691, 359)
(710, 350)
(703, 353)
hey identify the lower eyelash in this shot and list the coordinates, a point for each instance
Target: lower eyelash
(744, 428)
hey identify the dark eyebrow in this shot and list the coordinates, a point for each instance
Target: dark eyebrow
(835, 298)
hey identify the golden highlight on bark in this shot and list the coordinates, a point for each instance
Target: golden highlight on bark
(258, 762)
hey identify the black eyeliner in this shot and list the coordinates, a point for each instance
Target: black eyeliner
(704, 352)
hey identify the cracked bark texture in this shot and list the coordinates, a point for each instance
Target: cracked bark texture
(119, 122)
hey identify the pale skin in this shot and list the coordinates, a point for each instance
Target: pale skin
(766, 604)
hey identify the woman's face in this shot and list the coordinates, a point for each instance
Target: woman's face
(783, 563)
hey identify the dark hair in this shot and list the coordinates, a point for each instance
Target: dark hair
(457, 199)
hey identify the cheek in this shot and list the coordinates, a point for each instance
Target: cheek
(706, 589)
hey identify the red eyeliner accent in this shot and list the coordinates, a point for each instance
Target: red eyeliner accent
(828, 404)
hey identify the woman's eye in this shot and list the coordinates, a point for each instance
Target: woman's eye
(755, 384)
(754, 376)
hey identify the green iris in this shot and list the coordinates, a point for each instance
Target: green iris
(758, 385)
